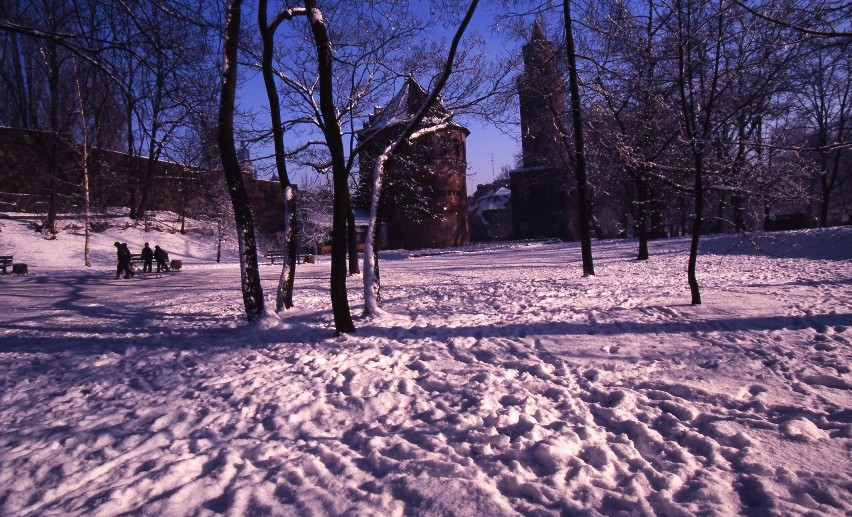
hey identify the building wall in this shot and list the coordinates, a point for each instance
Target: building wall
(114, 180)
(490, 212)
(541, 204)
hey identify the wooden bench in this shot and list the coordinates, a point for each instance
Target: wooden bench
(275, 254)
(280, 254)
(137, 264)
(5, 261)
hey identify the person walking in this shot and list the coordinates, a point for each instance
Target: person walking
(162, 259)
(147, 258)
(123, 255)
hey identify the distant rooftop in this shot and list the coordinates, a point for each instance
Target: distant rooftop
(402, 107)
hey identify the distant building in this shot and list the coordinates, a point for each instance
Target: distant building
(424, 194)
(541, 193)
(490, 212)
(114, 180)
(246, 165)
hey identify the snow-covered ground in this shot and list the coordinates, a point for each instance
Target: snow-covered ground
(500, 382)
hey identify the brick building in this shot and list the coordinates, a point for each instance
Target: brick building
(424, 192)
(114, 180)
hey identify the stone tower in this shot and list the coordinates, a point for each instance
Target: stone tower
(542, 101)
(424, 193)
(541, 193)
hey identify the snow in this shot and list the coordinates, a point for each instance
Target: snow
(403, 106)
(499, 381)
(499, 199)
(315, 15)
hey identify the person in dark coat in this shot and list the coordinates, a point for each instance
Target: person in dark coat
(147, 258)
(162, 258)
(123, 255)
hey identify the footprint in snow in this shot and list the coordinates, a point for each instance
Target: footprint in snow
(751, 391)
(803, 430)
(829, 381)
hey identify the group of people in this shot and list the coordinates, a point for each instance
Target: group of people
(148, 258)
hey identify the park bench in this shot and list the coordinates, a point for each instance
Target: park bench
(5, 261)
(275, 254)
(137, 263)
(280, 254)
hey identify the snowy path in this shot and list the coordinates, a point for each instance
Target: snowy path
(499, 383)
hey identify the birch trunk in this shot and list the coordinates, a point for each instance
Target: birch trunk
(372, 285)
(85, 159)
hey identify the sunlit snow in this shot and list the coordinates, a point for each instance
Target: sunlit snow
(498, 382)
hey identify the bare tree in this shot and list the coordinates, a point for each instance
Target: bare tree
(372, 285)
(334, 140)
(84, 159)
(823, 89)
(284, 294)
(167, 82)
(634, 125)
(579, 146)
(249, 272)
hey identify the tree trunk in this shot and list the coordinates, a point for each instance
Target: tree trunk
(766, 213)
(696, 230)
(52, 150)
(823, 206)
(579, 152)
(643, 241)
(84, 133)
(655, 213)
(737, 207)
(23, 116)
(284, 293)
(642, 224)
(184, 199)
(340, 179)
(147, 184)
(352, 241)
(154, 148)
(372, 282)
(250, 275)
(720, 214)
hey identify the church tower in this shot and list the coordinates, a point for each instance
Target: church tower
(542, 102)
(541, 193)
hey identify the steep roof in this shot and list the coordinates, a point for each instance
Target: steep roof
(499, 198)
(402, 108)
